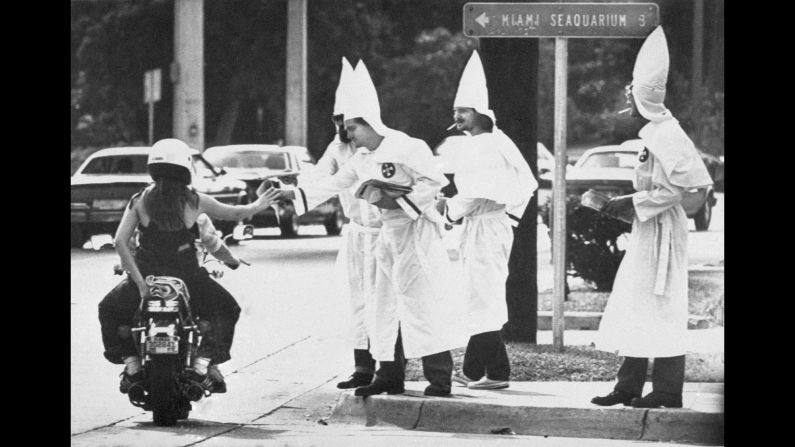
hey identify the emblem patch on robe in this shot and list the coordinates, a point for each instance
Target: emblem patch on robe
(387, 170)
(643, 155)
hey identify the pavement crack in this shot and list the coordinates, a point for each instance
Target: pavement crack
(284, 405)
(643, 424)
(419, 416)
(107, 425)
(272, 354)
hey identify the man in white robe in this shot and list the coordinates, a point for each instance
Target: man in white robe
(355, 260)
(494, 184)
(646, 315)
(409, 316)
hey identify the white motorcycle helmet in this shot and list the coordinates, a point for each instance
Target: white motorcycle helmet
(171, 158)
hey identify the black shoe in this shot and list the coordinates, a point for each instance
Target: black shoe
(379, 386)
(356, 379)
(133, 387)
(218, 383)
(437, 390)
(658, 400)
(127, 381)
(616, 397)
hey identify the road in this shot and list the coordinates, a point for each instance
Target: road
(289, 340)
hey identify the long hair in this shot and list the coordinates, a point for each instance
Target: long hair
(165, 203)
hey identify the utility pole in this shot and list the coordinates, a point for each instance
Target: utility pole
(187, 72)
(295, 121)
(698, 58)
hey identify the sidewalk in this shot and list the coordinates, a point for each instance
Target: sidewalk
(555, 409)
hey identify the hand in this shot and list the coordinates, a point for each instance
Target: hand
(144, 292)
(269, 197)
(620, 207)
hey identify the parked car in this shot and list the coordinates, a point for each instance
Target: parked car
(104, 183)
(610, 170)
(253, 163)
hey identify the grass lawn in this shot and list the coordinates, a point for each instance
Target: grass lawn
(541, 363)
(705, 292)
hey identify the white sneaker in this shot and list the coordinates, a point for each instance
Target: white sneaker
(487, 384)
(460, 379)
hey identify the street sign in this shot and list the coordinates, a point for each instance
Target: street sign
(152, 86)
(560, 19)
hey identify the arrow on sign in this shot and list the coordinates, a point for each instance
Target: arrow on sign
(482, 19)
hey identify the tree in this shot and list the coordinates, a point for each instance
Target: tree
(511, 67)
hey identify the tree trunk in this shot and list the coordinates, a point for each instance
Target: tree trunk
(511, 67)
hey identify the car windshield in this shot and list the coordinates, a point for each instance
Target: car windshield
(248, 159)
(117, 164)
(611, 160)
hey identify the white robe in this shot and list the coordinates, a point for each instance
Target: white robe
(646, 314)
(486, 242)
(355, 264)
(492, 179)
(413, 277)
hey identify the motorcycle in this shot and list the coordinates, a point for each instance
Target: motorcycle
(168, 336)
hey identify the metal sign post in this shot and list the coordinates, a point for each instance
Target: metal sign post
(561, 21)
(151, 96)
(559, 194)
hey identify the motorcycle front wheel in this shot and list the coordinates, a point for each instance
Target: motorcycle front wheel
(164, 394)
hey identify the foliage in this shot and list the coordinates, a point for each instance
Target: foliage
(113, 45)
(592, 251)
(414, 50)
(419, 88)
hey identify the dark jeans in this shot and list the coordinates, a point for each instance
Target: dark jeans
(208, 299)
(486, 355)
(668, 375)
(364, 361)
(437, 368)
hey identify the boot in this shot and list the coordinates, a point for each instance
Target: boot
(379, 386)
(616, 397)
(356, 379)
(437, 390)
(656, 399)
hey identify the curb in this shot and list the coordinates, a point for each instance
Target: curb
(463, 414)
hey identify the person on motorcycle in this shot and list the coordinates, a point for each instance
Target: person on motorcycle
(167, 215)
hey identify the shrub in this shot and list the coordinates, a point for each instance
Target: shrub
(592, 251)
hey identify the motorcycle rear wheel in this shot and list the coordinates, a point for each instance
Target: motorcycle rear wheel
(164, 394)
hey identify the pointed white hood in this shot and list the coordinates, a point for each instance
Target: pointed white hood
(341, 94)
(472, 89)
(650, 76)
(663, 135)
(362, 101)
(491, 167)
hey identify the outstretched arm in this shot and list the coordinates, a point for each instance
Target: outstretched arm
(222, 211)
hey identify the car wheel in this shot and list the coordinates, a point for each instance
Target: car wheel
(703, 217)
(289, 225)
(334, 223)
(77, 236)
